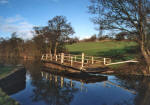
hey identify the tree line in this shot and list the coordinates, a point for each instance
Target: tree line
(47, 39)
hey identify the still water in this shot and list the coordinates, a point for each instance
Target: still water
(43, 88)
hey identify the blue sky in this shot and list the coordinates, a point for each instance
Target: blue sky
(22, 15)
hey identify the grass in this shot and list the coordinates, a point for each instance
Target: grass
(115, 67)
(6, 100)
(117, 50)
(5, 70)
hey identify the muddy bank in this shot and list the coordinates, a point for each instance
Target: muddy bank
(136, 69)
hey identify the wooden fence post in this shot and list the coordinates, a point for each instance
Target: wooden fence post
(82, 60)
(62, 58)
(104, 61)
(92, 60)
(56, 58)
(71, 61)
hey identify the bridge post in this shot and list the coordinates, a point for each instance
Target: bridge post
(62, 58)
(92, 60)
(82, 61)
(56, 58)
(71, 61)
(104, 61)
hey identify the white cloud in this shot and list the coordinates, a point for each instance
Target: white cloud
(14, 19)
(3, 1)
(16, 24)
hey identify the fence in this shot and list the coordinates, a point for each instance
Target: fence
(75, 60)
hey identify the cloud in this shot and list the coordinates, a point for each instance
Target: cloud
(3, 1)
(16, 24)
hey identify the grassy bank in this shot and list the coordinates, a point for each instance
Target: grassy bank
(5, 70)
(117, 50)
(6, 100)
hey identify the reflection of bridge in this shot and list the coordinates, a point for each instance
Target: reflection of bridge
(80, 77)
(59, 79)
(78, 62)
(111, 83)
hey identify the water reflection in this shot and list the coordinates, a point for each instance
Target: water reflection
(51, 88)
(58, 80)
(141, 85)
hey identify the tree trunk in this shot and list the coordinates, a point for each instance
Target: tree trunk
(55, 50)
(146, 56)
(50, 48)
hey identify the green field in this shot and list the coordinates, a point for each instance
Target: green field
(117, 50)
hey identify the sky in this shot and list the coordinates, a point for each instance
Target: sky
(22, 15)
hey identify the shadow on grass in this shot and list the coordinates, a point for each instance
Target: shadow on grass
(76, 52)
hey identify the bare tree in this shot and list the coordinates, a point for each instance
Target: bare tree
(125, 15)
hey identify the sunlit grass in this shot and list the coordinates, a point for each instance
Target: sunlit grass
(117, 50)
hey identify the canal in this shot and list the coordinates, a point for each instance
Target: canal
(44, 88)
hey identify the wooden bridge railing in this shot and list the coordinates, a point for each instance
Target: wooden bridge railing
(72, 59)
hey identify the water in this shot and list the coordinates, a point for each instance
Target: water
(43, 88)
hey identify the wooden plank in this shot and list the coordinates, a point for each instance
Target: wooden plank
(122, 62)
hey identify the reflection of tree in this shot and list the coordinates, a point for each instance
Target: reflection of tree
(141, 85)
(34, 68)
(49, 90)
(52, 92)
(143, 97)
